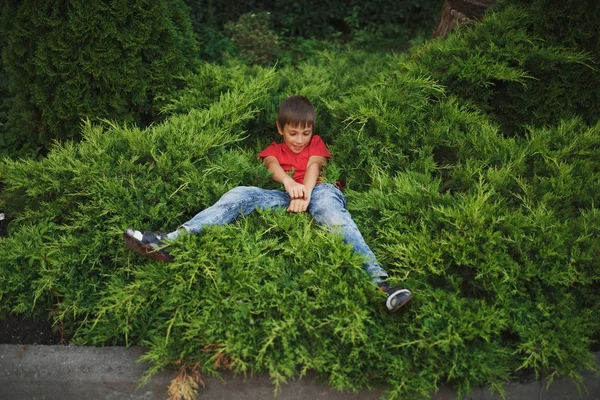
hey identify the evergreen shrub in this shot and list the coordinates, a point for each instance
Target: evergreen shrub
(513, 67)
(71, 60)
(5, 101)
(496, 234)
(251, 35)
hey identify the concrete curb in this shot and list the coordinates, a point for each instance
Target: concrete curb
(82, 372)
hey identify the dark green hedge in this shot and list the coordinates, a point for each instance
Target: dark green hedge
(70, 60)
(374, 24)
(321, 19)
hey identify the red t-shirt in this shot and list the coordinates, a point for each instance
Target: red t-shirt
(297, 162)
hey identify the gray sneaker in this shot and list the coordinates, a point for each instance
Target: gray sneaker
(396, 297)
(147, 244)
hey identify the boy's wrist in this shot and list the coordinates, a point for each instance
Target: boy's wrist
(287, 180)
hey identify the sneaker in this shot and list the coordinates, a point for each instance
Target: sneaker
(396, 297)
(147, 244)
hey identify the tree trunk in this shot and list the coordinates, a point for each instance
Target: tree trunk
(455, 12)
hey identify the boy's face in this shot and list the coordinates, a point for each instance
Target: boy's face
(296, 137)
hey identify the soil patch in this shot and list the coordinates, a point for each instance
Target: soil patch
(22, 330)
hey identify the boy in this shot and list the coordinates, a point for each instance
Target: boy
(304, 154)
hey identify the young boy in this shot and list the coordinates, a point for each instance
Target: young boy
(304, 154)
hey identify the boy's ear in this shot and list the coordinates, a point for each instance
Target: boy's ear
(279, 128)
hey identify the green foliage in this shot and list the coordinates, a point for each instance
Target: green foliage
(511, 67)
(71, 60)
(252, 37)
(571, 23)
(208, 83)
(495, 233)
(5, 101)
(209, 30)
(369, 24)
(390, 25)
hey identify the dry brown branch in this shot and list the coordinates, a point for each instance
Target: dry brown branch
(185, 385)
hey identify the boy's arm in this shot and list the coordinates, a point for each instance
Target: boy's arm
(294, 189)
(313, 169)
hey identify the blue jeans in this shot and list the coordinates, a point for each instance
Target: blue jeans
(327, 206)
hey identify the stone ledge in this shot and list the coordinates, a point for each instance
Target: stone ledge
(83, 372)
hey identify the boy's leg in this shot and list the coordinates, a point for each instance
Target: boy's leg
(241, 200)
(328, 207)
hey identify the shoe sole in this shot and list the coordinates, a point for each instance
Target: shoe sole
(399, 305)
(145, 250)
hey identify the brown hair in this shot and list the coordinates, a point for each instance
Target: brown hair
(296, 110)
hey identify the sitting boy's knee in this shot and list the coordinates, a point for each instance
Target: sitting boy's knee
(237, 193)
(239, 189)
(328, 196)
(327, 210)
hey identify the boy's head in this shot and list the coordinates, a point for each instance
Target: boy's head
(295, 122)
(296, 111)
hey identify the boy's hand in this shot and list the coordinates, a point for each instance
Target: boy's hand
(295, 190)
(298, 205)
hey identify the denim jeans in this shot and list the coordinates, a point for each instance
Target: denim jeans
(327, 206)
